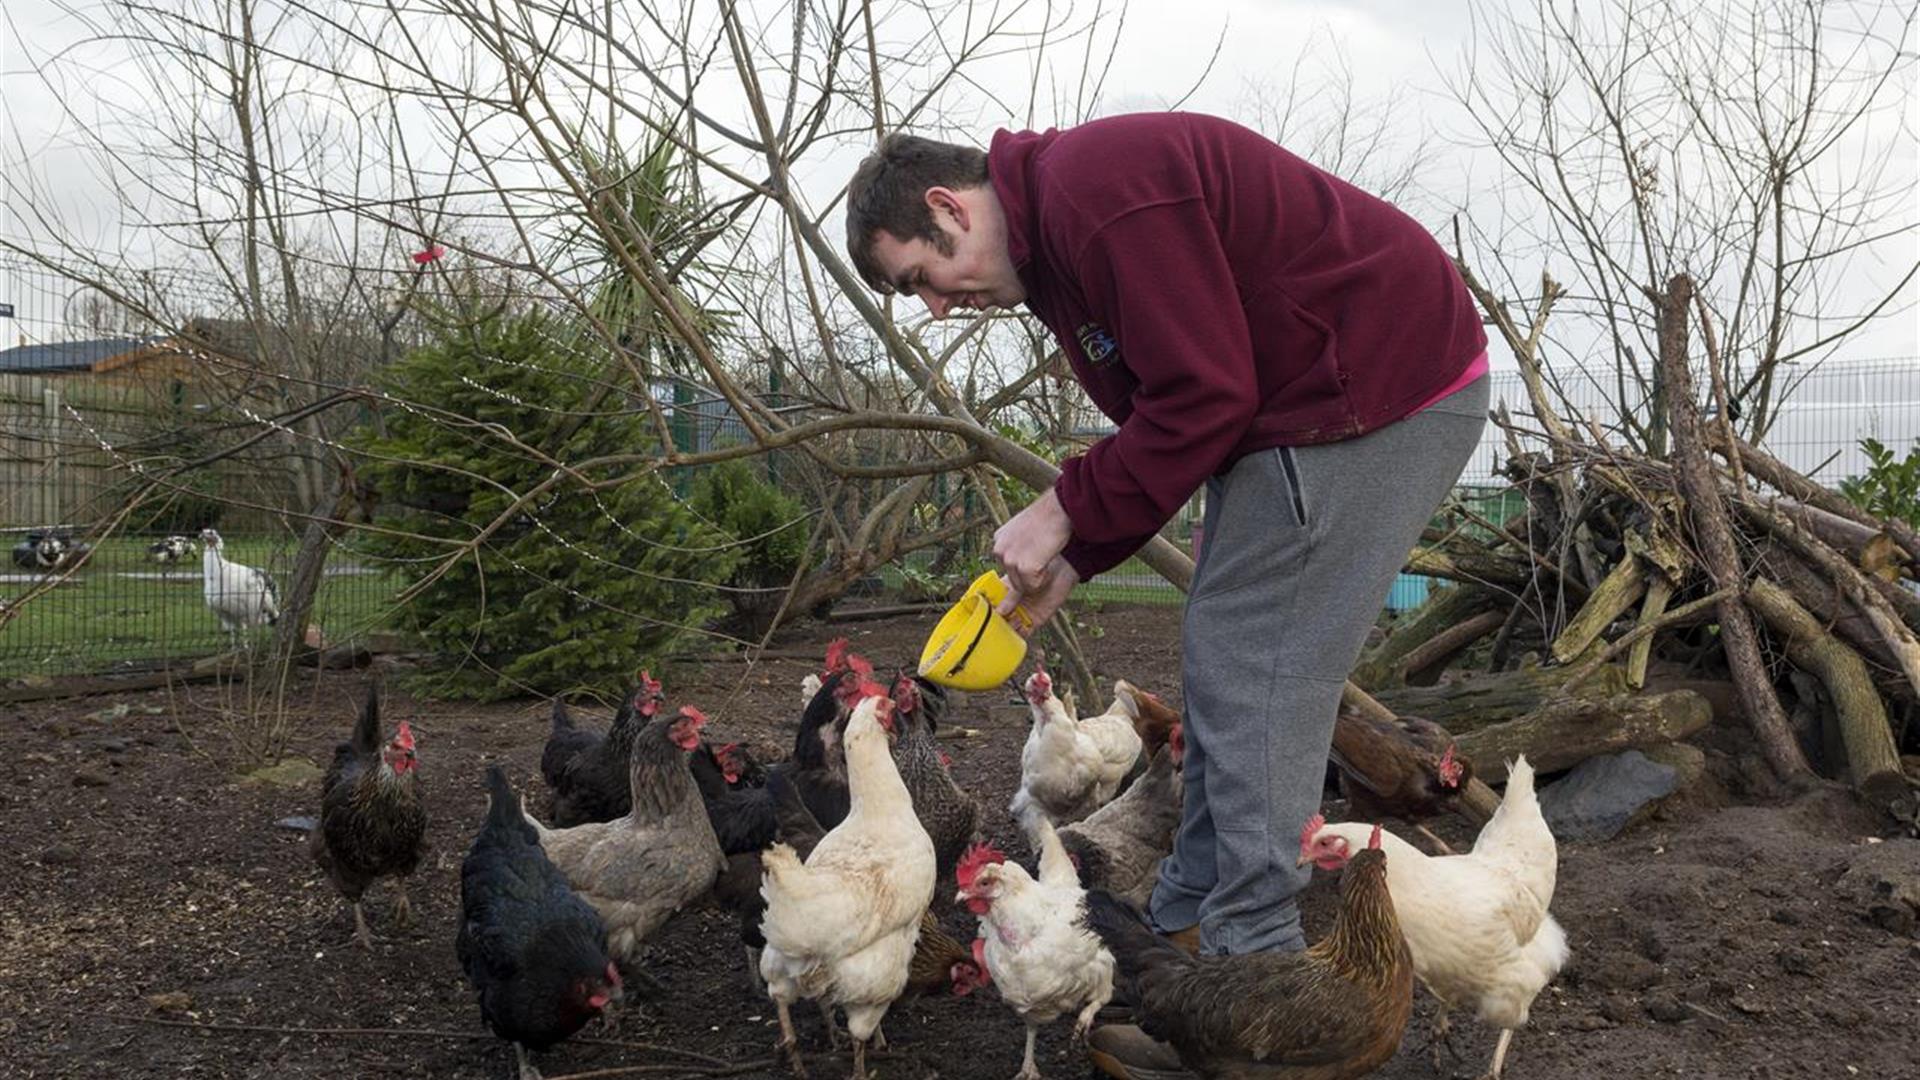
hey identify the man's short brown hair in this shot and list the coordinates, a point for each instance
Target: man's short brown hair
(889, 191)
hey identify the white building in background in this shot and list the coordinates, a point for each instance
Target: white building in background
(1825, 415)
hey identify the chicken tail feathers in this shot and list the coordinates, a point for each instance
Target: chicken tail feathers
(366, 730)
(503, 806)
(1519, 782)
(562, 719)
(794, 824)
(1136, 949)
(1548, 950)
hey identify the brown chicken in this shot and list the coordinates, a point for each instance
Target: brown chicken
(1407, 770)
(373, 822)
(1153, 719)
(1333, 1012)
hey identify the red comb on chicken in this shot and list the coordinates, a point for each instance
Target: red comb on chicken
(1314, 824)
(1449, 769)
(685, 731)
(1039, 687)
(836, 656)
(646, 700)
(906, 694)
(976, 857)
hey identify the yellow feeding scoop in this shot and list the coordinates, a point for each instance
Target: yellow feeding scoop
(974, 647)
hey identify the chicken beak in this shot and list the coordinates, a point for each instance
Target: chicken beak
(1303, 860)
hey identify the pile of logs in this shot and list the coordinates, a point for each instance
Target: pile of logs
(1638, 595)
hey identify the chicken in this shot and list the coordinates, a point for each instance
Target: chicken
(241, 597)
(534, 952)
(726, 766)
(1035, 942)
(841, 926)
(1070, 768)
(1119, 847)
(949, 814)
(373, 822)
(1153, 719)
(1477, 924)
(593, 784)
(809, 686)
(1406, 770)
(1332, 1012)
(744, 818)
(640, 869)
(566, 741)
(170, 550)
(940, 964)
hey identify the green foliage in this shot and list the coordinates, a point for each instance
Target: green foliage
(771, 525)
(1891, 486)
(581, 587)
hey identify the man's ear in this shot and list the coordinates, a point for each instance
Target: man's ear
(948, 201)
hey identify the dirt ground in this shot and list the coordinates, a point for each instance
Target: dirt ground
(154, 921)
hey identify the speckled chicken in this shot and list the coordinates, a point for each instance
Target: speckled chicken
(949, 815)
(373, 822)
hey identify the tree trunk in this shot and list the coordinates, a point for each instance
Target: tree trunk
(1714, 535)
(1564, 733)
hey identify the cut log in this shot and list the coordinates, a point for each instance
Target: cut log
(1423, 666)
(1381, 665)
(1659, 591)
(1621, 589)
(1566, 732)
(1777, 473)
(1873, 760)
(1469, 567)
(1851, 583)
(1476, 701)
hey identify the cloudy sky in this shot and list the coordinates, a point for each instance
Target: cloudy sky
(1398, 53)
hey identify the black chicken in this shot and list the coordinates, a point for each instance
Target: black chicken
(744, 819)
(373, 823)
(566, 740)
(592, 785)
(535, 952)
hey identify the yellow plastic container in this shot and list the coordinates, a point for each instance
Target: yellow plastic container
(974, 647)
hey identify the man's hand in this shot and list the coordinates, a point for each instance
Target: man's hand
(1042, 603)
(1026, 546)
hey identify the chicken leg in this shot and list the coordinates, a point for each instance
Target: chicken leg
(1499, 1055)
(1028, 1070)
(402, 908)
(1440, 1036)
(527, 1071)
(789, 1042)
(859, 1059)
(360, 932)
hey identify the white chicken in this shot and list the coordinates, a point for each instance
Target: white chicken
(1034, 939)
(1477, 924)
(840, 928)
(242, 597)
(1071, 767)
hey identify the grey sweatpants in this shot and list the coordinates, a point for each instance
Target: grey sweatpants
(1302, 545)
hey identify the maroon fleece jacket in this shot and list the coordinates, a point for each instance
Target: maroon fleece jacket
(1216, 295)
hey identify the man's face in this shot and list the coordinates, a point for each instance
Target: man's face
(974, 272)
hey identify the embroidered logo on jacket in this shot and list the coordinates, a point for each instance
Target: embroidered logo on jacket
(1098, 344)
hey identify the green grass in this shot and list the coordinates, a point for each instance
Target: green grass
(101, 619)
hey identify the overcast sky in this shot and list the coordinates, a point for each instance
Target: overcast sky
(1396, 48)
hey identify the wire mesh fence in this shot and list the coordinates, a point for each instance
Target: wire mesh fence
(84, 399)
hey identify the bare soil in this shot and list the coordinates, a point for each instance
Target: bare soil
(155, 922)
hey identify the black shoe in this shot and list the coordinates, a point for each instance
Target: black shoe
(1125, 1052)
